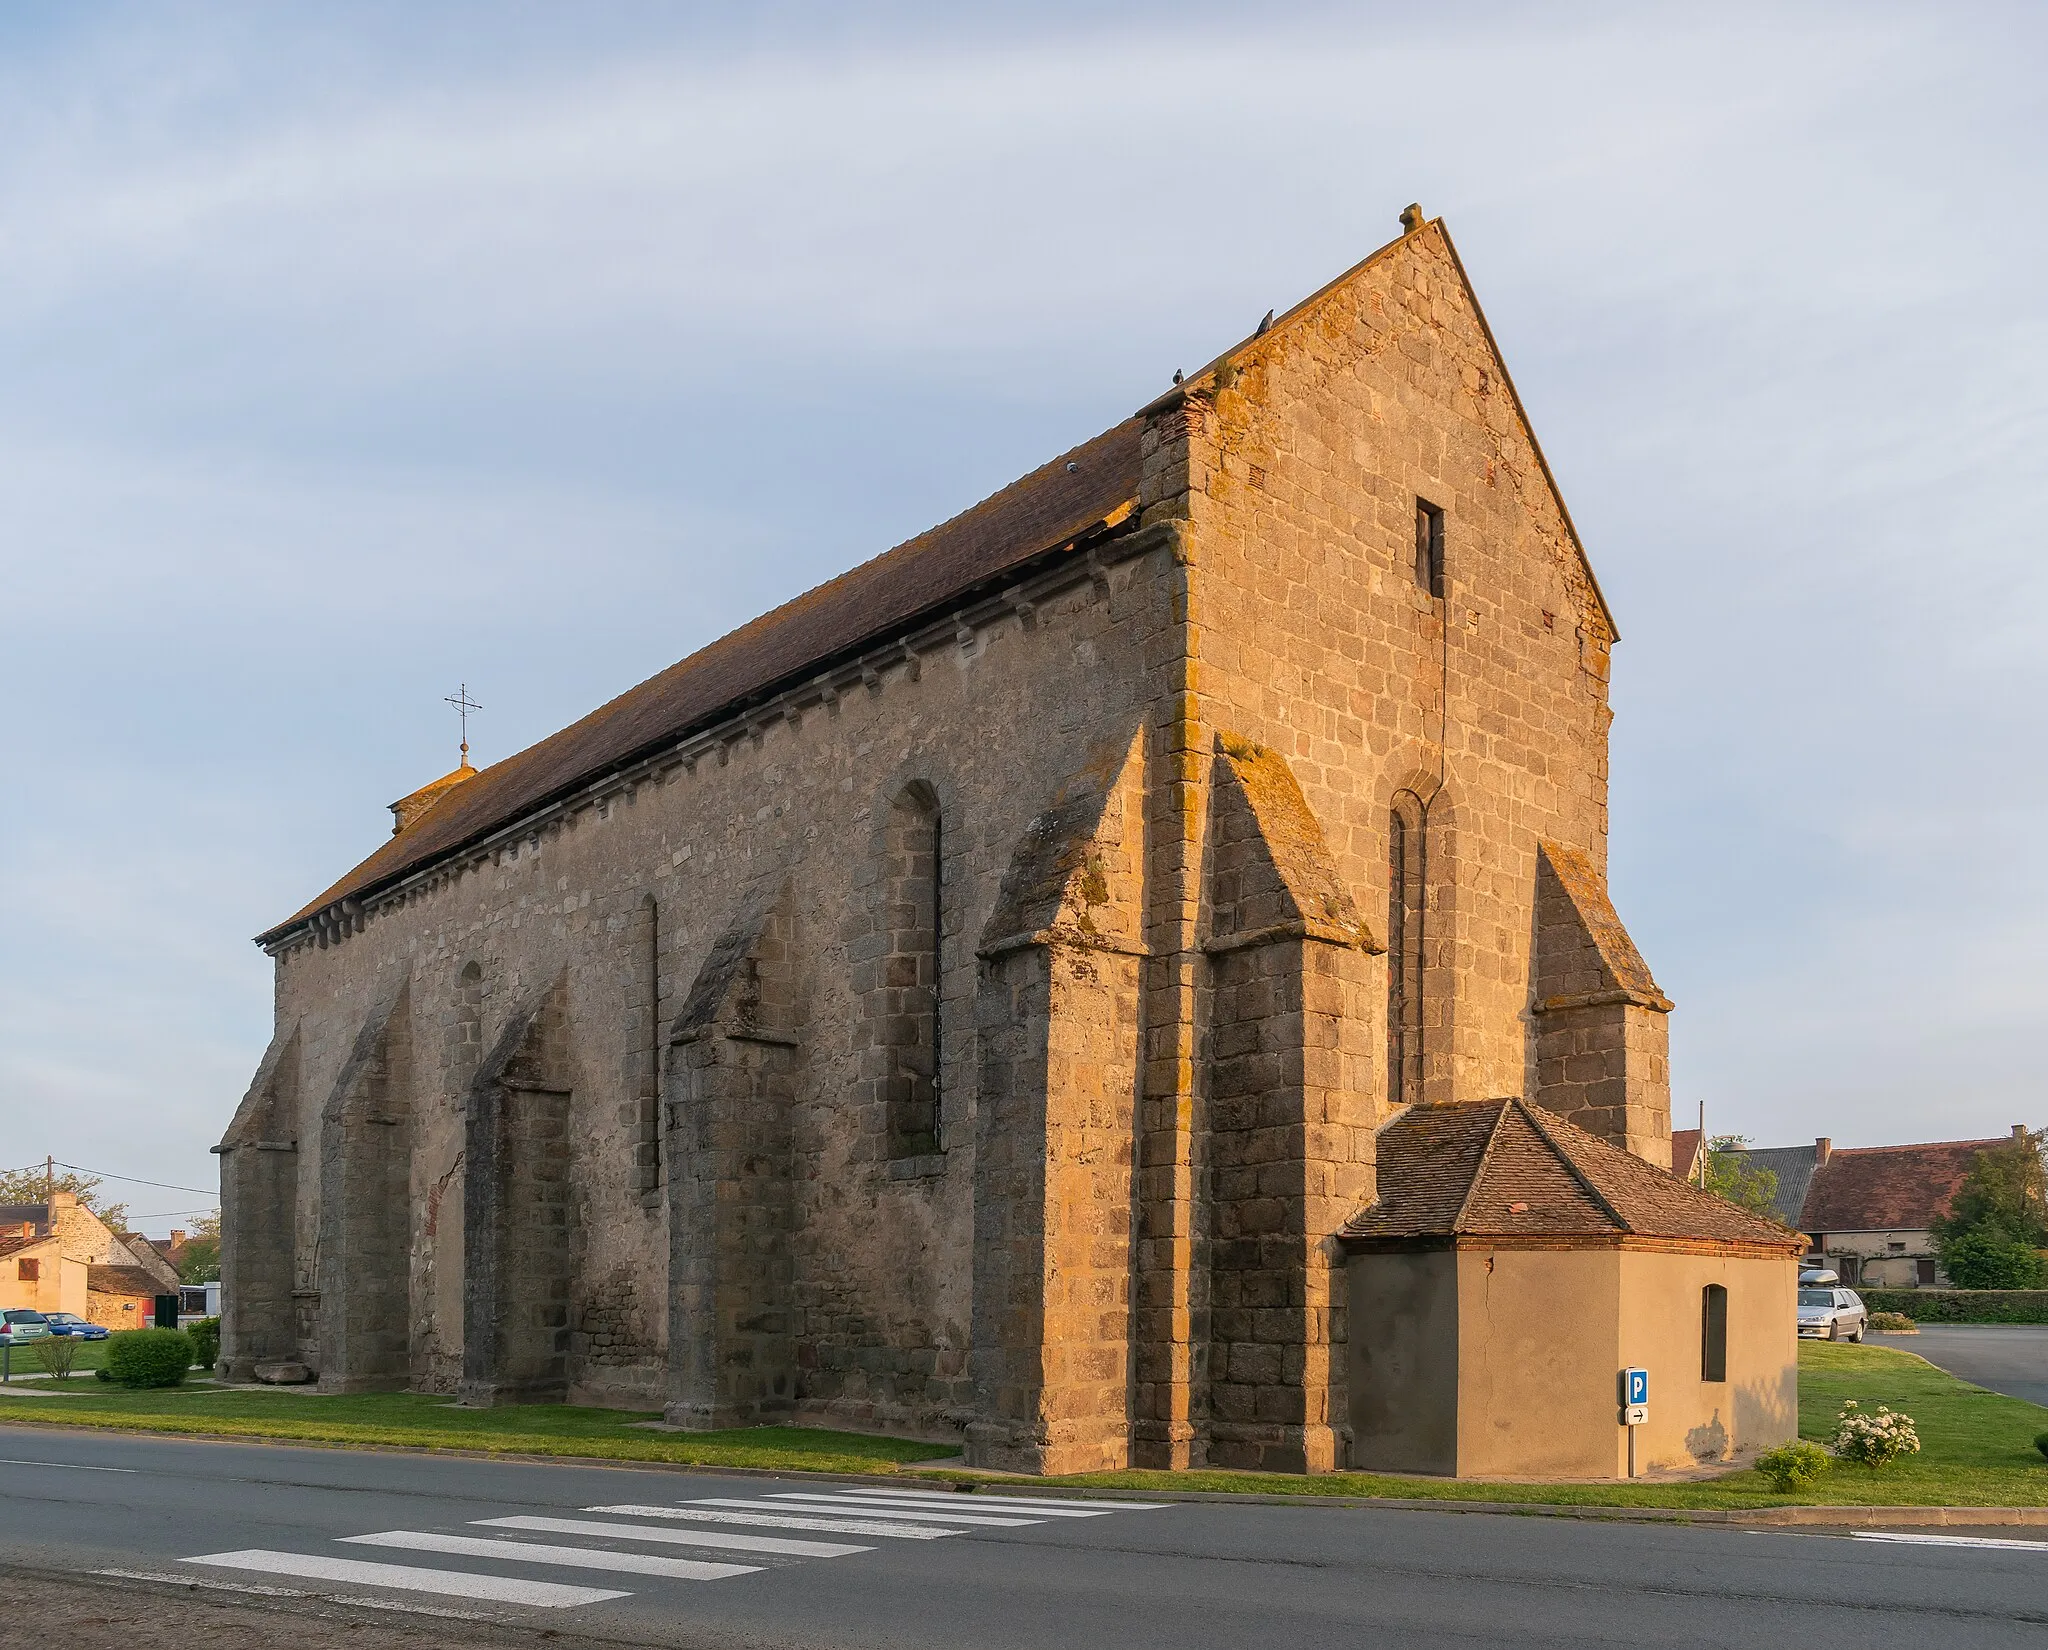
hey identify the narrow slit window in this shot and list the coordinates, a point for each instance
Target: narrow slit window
(1429, 547)
(1713, 1333)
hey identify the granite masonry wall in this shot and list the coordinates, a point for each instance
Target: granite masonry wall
(991, 1044)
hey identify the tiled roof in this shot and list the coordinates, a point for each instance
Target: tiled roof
(1889, 1188)
(1793, 1165)
(11, 1245)
(1046, 509)
(1685, 1151)
(1505, 1169)
(122, 1280)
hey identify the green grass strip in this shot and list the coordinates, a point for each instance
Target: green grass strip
(1977, 1446)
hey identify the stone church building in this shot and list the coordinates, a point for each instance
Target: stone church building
(967, 999)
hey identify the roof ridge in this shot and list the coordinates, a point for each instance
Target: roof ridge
(1534, 1115)
(1479, 1168)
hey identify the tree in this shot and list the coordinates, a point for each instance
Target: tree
(1729, 1174)
(199, 1260)
(32, 1185)
(1997, 1223)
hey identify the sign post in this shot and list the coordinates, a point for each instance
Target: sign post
(1635, 1408)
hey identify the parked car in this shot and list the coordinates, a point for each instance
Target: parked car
(18, 1323)
(1832, 1315)
(70, 1323)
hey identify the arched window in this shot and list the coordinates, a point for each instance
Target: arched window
(1407, 870)
(1713, 1333)
(913, 921)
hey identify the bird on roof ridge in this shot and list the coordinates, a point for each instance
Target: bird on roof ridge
(1264, 325)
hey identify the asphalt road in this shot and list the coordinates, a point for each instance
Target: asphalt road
(2008, 1358)
(283, 1527)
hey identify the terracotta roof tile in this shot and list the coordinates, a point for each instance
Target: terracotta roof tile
(122, 1280)
(1050, 507)
(1685, 1151)
(9, 1245)
(1889, 1188)
(1506, 1169)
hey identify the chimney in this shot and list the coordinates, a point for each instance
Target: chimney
(2019, 1133)
(177, 1238)
(1822, 1148)
(63, 1200)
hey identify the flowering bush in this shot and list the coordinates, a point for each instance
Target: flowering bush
(1874, 1440)
(1792, 1466)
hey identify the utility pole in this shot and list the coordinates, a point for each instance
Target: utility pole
(49, 1195)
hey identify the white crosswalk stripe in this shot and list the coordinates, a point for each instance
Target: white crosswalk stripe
(932, 1509)
(458, 1584)
(1034, 1502)
(881, 1509)
(538, 1552)
(776, 1520)
(712, 1524)
(781, 1546)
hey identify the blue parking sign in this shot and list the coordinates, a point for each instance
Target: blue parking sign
(1636, 1383)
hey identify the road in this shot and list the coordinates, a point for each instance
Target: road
(277, 1535)
(2008, 1358)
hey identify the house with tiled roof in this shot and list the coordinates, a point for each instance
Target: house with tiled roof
(37, 1274)
(113, 1277)
(1870, 1210)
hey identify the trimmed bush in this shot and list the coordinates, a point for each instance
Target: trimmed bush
(205, 1342)
(149, 1357)
(2041, 1443)
(1793, 1466)
(1893, 1323)
(1962, 1305)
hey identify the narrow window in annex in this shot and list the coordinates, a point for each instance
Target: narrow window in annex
(1713, 1333)
(1406, 870)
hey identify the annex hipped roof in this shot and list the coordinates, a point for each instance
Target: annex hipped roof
(1507, 1170)
(1055, 504)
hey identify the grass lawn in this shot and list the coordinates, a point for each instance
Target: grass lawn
(22, 1361)
(435, 1423)
(1976, 1450)
(1976, 1447)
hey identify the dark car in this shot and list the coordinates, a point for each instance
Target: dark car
(69, 1323)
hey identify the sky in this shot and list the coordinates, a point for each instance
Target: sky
(351, 353)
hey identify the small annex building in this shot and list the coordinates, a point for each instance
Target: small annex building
(1512, 1264)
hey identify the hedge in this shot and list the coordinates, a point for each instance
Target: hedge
(149, 1357)
(1962, 1305)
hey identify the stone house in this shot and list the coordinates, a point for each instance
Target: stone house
(969, 998)
(1869, 1211)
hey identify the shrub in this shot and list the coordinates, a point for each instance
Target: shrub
(1892, 1323)
(57, 1353)
(205, 1342)
(149, 1357)
(1793, 1466)
(1962, 1305)
(2041, 1443)
(1992, 1259)
(1874, 1440)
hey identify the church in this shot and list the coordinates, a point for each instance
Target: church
(1126, 978)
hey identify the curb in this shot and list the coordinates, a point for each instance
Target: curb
(1803, 1514)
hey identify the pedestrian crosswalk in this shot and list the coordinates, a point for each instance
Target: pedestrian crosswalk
(642, 1539)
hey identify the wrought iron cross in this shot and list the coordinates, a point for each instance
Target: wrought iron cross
(463, 704)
